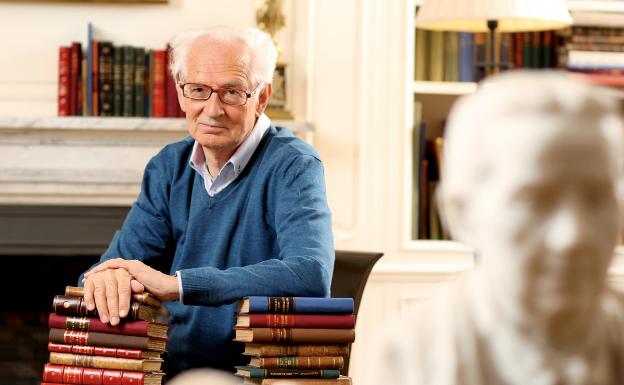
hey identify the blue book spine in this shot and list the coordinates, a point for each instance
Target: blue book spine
(263, 304)
(466, 55)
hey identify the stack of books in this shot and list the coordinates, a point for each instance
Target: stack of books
(295, 340)
(83, 350)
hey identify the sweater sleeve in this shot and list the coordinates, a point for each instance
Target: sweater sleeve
(299, 213)
(146, 232)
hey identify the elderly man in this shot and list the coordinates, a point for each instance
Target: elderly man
(533, 180)
(237, 209)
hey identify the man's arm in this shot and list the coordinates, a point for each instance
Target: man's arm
(145, 236)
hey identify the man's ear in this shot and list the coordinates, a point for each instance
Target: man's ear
(181, 98)
(263, 98)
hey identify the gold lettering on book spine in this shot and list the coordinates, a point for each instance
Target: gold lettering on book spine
(281, 335)
(279, 320)
(76, 337)
(287, 362)
(77, 323)
(281, 305)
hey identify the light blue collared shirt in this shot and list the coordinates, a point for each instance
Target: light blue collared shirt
(235, 165)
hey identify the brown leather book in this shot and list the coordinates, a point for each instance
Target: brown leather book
(77, 337)
(145, 298)
(132, 328)
(298, 335)
(279, 350)
(102, 351)
(309, 362)
(88, 361)
(65, 305)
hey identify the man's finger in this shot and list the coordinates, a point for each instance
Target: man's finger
(88, 294)
(112, 296)
(123, 292)
(99, 295)
(137, 287)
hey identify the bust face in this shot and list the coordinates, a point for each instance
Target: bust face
(546, 219)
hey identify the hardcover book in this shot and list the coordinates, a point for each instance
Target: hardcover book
(309, 362)
(298, 335)
(102, 351)
(267, 320)
(64, 305)
(342, 380)
(140, 365)
(145, 297)
(247, 371)
(262, 304)
(61, 374)
(77, 337)
(280, 350)
(133, 328)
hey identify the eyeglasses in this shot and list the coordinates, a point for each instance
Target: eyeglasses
(228, 95)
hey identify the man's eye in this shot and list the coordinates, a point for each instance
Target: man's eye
(197, 89)
(231, 91)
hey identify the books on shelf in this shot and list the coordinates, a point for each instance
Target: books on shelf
(83, 350)
(109, 80)
(342, 380)
(286, 305)
(304, 362)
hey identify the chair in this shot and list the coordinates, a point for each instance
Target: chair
(351, 271)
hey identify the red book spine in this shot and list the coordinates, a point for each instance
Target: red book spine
(517, 49)
(63, 81)
(171, 96)
(302, 321)
(59, 374)
(94, 350)
(133, 328)
(158, 97)
(74, 73)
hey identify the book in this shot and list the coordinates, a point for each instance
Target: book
(298, 335)
(145, 297)
(268, 320)
(57, 374)
(105, 78)
(159, 86)
(133, 328)
(263, 304)
(117, 88)
(139, 81)
(128, 81)
(75, 60)
(102, 351)
(247, 371)
(342, 380)
(78, 337)
(88, 361)
(281, 350)
(307, 362)
(63, 81)
(65, 305)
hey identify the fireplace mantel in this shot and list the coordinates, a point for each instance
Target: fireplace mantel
(83, 161)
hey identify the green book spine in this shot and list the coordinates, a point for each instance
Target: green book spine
(117, 81)
(128, 81)
(436, 56)
(106, 78)
(139, 81)
(251, 372)
(527, 52)
(421, 71)
(451, 56)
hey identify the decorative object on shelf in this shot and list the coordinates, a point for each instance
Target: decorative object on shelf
(492, 16)
(270, 19)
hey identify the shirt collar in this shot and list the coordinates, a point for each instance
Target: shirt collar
(241, 156)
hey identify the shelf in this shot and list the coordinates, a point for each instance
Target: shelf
(444, 88)
(596, 6)
(120, 124)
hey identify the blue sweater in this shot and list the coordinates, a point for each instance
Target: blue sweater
(267, 233)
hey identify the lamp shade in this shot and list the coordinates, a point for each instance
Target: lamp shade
(511, 15)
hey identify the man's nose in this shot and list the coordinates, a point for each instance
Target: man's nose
(213, 105)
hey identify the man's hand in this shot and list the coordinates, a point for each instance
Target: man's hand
(110, 290)
(163, 286)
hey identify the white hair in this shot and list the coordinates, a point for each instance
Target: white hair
(264, 53)
(507, 111)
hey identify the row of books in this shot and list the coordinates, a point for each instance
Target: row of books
(460, 56)
(295, 340)
(83, 350)
(109, 80)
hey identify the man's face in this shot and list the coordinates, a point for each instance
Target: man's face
(220, 128)
(547, 224)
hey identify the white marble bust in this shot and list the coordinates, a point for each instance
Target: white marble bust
(533, 180)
